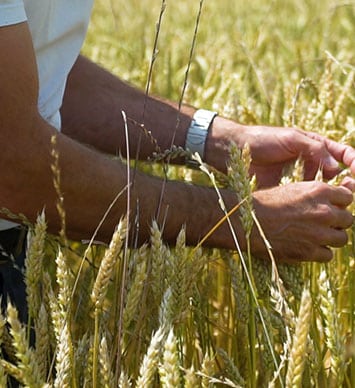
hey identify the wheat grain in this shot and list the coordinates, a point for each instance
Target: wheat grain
(124, 381)
(169, 369)
(52, 308)
(231, 370)
(64, 362)
(26, 360)
(240, 291)
(326, 92)
(106, 374)
(150, 361)
(81, 359)
(42, 348)
(276, 105)
(158, 257)
(191, 378)
(262, 278)
(299, 343)
(340, 108)
(207, 371)
(33, 264)
(108, 262)
(64, 280)
(12, 370)
(3, 377)
(238, 174)
(57, 186)
(292, 277)
(332, 330)
(135, 291)
(183, 268)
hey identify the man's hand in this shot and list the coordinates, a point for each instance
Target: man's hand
(302, 221)
(273, 148)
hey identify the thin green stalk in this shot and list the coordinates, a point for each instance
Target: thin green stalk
(192, 49)
(150, 74)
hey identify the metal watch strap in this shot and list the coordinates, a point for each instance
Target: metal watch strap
(198, 131)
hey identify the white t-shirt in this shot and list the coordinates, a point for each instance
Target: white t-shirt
(58, 29)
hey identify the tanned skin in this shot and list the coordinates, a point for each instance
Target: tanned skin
(311, 216)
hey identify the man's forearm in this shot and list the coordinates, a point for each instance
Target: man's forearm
(92, 113)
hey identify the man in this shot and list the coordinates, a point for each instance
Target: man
(39, 46)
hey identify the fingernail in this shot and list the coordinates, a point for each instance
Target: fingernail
(330, 162)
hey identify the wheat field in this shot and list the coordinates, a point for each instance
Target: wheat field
(162, 316)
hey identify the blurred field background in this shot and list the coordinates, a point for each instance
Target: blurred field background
(185, 316)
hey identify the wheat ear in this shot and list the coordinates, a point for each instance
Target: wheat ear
(191, 378)
(11, 370)
(26, 360)
(169, 370)
(33, 263)
(135, 290)
(158, 253)
(102, 281)
(42, 341)
(150, 361)
(299, 343)
(124, 381)
(107, 377)
(332, 330)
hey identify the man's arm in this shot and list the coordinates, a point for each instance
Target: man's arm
(90, 180)
(91, 113)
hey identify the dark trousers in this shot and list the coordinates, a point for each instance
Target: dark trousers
(12, 256)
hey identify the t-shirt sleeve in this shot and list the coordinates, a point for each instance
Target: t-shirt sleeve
(12, 12)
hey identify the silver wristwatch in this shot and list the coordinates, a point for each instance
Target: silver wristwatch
(198, 131)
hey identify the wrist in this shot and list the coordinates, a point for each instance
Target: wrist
(222, 132)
